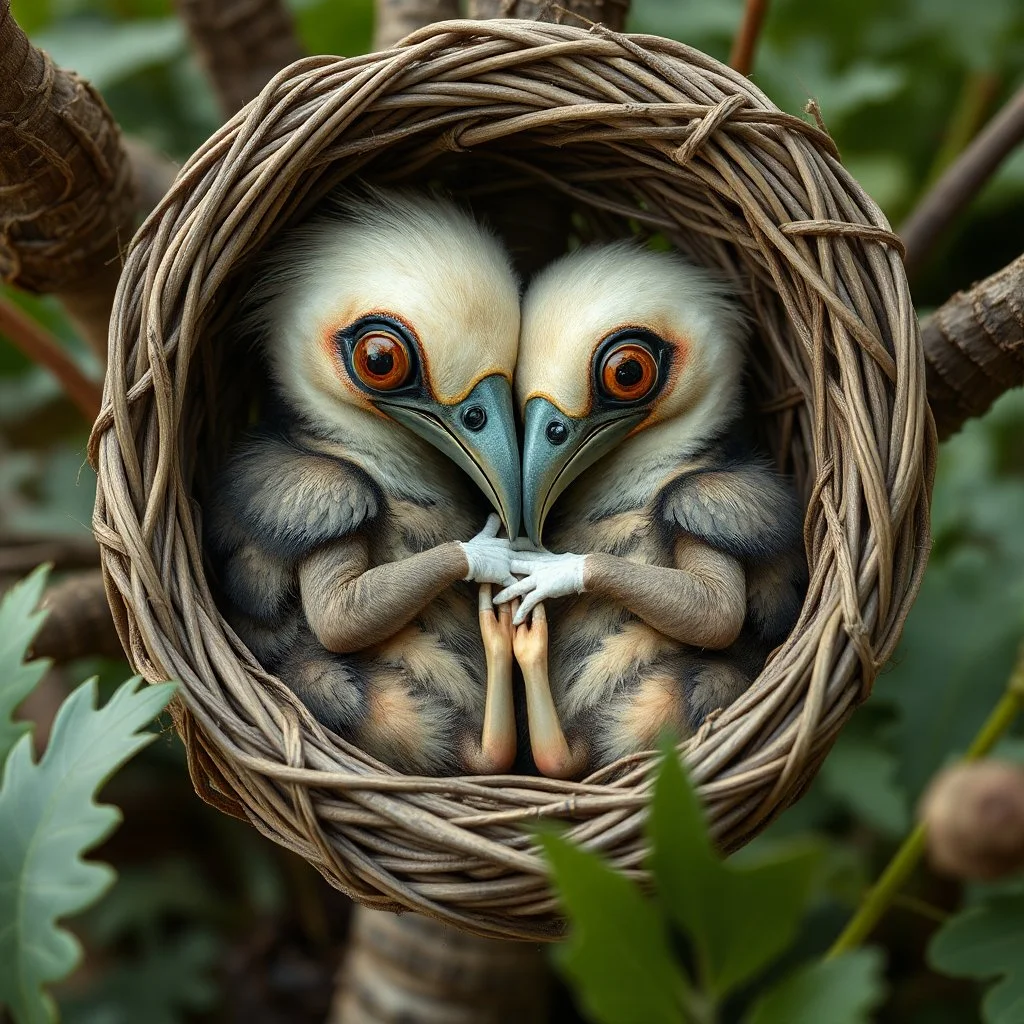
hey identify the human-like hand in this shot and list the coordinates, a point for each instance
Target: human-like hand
(495, 626)
(489, 556)
(547, 575)
(530, 640)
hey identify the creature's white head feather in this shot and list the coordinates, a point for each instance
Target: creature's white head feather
(577, 302)
(421, 259)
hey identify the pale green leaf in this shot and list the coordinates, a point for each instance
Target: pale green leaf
(738, 917)
(840, 991)
(617, 956)
(987, 942)
(105, 53)
(19, 622)
(49, 818)
(861, 774)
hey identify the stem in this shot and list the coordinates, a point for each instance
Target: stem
(42, 348)
(962, 181)
(907, 857)
(742, 56)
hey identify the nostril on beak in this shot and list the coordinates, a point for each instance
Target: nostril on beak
(557, 432)
(474, 418)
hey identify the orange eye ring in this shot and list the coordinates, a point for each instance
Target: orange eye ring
(629, 372)
(381, 361)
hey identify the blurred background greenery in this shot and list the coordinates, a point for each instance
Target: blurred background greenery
(210, 922)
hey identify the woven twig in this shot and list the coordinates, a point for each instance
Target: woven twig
(631, 130)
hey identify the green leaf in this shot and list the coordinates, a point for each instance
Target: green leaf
(987, 942)
(158, 984)
(962, 635)
(861, 774)
(617, 956)
(49, 818)
(105, 53)
(841, 991)
(19, 623)
(739, 918)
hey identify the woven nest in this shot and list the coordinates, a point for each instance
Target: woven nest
(634, 134)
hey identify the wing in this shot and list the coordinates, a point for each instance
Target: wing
(744, 509)
(273, 503)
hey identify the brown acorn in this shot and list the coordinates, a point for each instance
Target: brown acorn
(974, 814)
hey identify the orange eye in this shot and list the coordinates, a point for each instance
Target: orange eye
(381, 361)
(629, 373)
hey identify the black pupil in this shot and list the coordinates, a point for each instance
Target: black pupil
(629, 373)
(474, 417)
(379, 361)
(557, 432)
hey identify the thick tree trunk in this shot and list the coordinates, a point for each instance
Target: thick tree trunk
(241, 44)
(974, 348)
(68, 188)
(411, 969)
(397, 18)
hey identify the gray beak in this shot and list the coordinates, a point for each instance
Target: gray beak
(479, 435)
(557, 448)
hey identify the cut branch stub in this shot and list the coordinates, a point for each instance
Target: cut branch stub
(610, 13)
(67, 186)
(974, 348)
(241, 44)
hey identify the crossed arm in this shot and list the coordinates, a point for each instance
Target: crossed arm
(700, 601)
(351, 606)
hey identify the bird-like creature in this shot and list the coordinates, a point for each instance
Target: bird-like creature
(674, 562)
(345, 530)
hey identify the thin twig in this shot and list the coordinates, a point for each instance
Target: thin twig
(41, 347)
(882, 894)
(742, 56)
(962, 181)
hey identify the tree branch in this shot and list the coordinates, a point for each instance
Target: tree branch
(742, 55)
(974, 348)
(42, 348)
(241, 44)
(962, 181)
(79, 623)
(21, 553)
(67, 187)
(395, 19)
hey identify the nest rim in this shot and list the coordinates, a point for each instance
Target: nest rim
(843, 378)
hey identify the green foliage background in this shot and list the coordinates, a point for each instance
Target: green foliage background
(902, 84)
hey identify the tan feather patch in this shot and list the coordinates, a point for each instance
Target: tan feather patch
(655, 706)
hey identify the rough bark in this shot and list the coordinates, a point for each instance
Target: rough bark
(974, 348)
(241, 44)
(610, 13)
(66, 184)
(418, 971)
(395, 19)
